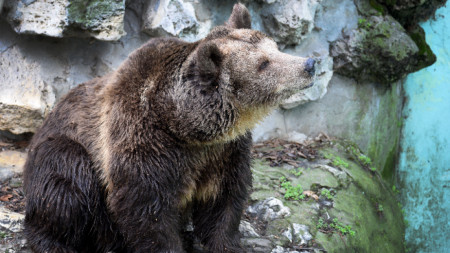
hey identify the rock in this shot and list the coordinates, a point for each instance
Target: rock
(11, 221)
(324, 72)
(298, 234)
(257, 245)
(36, 71)
(289, 21)
(351, 219)
(425, 57)
(100, 19)
(297, 137)
(301, 234)
(246, 229)
(169, 18)
(11, 162)
(269, 209)
(272, 127)
(25, 96)
(378, 50)
(279, 249)
(410, 12)
(340, 175)
(13, 245)
(57, 18)
(38, 17)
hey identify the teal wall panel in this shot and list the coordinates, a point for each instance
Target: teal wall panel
(424, 167)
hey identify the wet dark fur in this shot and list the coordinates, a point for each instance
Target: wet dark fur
(113, 168)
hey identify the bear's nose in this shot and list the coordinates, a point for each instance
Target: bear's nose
(309, 66)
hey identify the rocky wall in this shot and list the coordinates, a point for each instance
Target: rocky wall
(48, 47)
(364, 49)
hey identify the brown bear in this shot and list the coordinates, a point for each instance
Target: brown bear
(123, 161)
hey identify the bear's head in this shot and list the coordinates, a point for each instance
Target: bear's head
(233, 78)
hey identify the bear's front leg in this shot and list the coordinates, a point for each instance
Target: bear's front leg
(140, 201)
(216, 221)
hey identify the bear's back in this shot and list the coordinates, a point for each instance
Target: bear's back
(75, 116)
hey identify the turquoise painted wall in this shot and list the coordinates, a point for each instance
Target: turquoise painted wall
(424, 168)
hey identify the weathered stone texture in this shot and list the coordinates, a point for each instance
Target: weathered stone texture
(289, 21)
(353, 38)
(24, 96)
(357, 199)
(38, 17)
(324, 72)
(57, 18)
(169, 17)
(379, 50)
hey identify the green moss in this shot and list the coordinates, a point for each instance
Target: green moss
(350, 207)
(419, 39)
(365, 214)
(297, 172)
(383, 144)
(89, 14)
(426, 57)
(312, 177)
(389, 165)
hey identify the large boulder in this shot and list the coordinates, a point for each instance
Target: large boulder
(289, 21)
(169, 18)
(25, 96)
(379, 50)
(100, 19)
(325, 196)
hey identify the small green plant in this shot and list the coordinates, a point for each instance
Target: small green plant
(373, 169)
(395, 190)
(3, 235)
(354, 151)
(298, 171)
(406, 222)
(337, 161)
(380, 208)
(326, 193)
(343, 229)
(335, 225)
(292, 192)
(321, 224)
(363, 23)
(365, 160)
(340, 163)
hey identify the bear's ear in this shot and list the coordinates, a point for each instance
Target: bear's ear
(209, 60)
(240, 18)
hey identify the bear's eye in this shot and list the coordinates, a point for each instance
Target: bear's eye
(263, 65)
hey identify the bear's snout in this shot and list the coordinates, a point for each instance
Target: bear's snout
(310, 66)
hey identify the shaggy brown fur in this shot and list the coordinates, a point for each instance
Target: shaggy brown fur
(122, 159)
